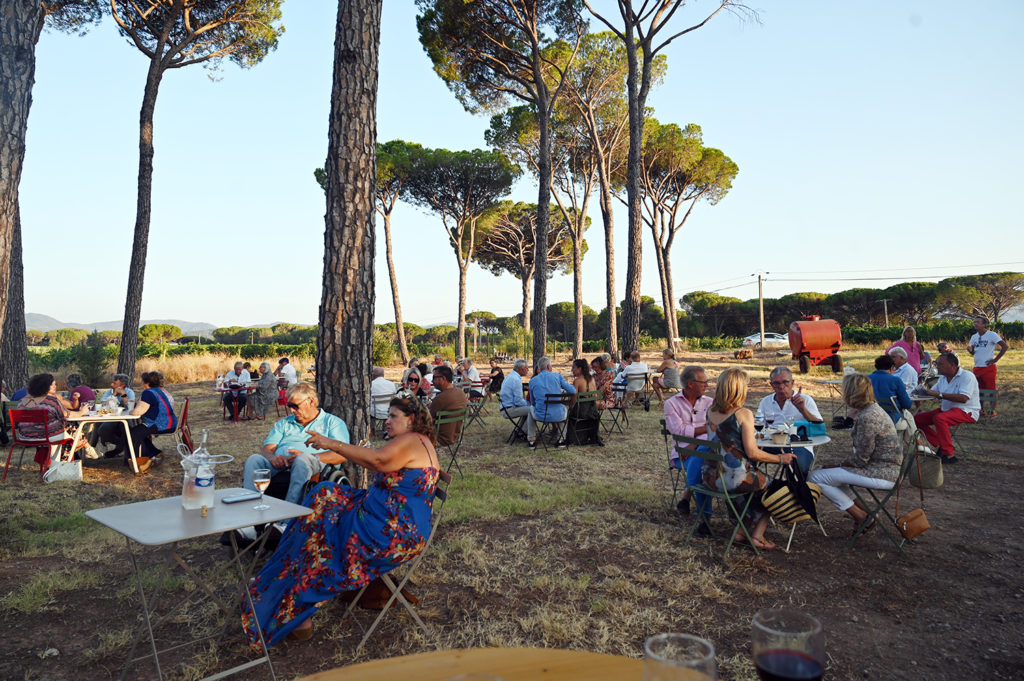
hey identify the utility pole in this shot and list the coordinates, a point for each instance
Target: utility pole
(885, 306)
(760, 301)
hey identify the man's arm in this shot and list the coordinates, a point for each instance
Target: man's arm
(676, 419)
(901, 395)
(1003, 347)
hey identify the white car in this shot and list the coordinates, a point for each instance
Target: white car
(771, 340)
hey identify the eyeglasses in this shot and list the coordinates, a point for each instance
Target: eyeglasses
(292, 405)
(414, 380)
(778, 384)
(694, 380)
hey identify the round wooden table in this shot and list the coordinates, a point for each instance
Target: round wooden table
(510, 664)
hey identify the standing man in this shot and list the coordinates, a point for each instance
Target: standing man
(789, 407)
(547, 382)
(958, 390)
(686, 414)
(511, 400)
(380, 387)
(286, 370)
(983, 346)
(449, 398)
(235, 400)
(902, 369)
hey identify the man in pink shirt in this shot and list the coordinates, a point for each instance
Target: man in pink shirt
(686, 414)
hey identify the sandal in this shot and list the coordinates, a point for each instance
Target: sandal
(868, 525)
(300, 634)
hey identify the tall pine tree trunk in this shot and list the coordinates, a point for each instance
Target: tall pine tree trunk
(634, 245)
(670, 302)
(399, 327)
(662, 274)
(345, 333)
(607, 217)
(526, 280)
(577, 290)
(460, 339)
(143, 215)
(21, 22)
(13, 350)
(540, 238)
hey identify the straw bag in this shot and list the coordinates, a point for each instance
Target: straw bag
(790, 498)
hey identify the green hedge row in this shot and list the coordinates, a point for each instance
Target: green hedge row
(953, 331)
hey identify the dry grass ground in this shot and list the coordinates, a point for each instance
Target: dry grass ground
(574, 548)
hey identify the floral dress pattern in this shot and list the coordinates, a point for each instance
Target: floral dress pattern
(352, 537)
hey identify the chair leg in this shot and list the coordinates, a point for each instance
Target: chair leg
(792, 531)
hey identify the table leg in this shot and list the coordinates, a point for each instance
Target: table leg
(130, 445)
(245, 575)
(145, 615)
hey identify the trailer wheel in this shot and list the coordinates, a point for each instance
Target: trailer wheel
(837, 364)
(805, 364)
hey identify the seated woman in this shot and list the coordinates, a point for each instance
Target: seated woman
(497, 376)
(156, 409)
(41, 393)
(875, 461)
(415, 385)
(353, 535)
(266, 394)
(733, 425)
(414, 363)
(603, 377)
(669, 378)
(583, 425)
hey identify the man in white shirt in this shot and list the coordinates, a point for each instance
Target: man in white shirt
(958, 390)
(635, 374)
(286, 370)
(983, 346)
(236, 399)
(786, 406)
(903, 370)
(380, 388)
(469, 373)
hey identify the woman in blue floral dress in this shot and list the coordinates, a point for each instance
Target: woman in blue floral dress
(353, 535)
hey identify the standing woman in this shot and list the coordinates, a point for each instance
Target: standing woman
(915, 351)
(353, 535)
(875, 461)
(733, 425)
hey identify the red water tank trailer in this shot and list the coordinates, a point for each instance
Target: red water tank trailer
(816, 341)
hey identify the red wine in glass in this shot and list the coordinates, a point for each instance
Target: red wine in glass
(787, 665)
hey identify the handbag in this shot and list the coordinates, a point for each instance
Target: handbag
(927, 474)
(912, 523)
(63, 470)
(790, 498)
(805, 430)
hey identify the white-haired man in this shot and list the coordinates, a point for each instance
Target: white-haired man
(903, 370)
(784, 405)
(380, 387)
(545, 383)
(511, 400)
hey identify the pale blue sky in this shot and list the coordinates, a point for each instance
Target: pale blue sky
(872, 137)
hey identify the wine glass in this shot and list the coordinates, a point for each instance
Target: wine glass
(679, 657)
(789, 645)
(261, 480)
(758, 423)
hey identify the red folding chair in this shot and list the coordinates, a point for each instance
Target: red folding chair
(282, 401)
(184, 433)
(42, 445)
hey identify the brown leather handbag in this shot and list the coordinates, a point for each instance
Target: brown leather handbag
(912, 523)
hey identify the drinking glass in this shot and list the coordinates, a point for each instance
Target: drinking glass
(261, 480)
(758, 423)
(679, 657)
(789, 645)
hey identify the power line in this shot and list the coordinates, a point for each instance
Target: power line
(904, 269)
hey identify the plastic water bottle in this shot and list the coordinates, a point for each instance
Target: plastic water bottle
(197, 487)
(220, 380)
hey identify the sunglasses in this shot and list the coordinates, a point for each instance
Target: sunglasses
(292, 405)
(414, 380)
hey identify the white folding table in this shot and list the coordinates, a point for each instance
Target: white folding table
(160, 522)
(123, 419)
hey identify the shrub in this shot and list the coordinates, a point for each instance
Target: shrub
(383, 352)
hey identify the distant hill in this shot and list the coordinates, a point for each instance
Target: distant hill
(41, 322)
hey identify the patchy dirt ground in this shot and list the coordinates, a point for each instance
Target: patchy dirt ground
(599, 569)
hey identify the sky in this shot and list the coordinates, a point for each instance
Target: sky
(877, 141)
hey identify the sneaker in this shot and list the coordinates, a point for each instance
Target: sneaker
(684, 506)
(90, 453)
(926, 450)
(110, 454)
(950, 459)
(561, 444)
(703, 530)
(533, 445)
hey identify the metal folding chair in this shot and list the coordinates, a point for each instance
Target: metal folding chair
(988, 399)
(676, 474)
(452, 416)
(376, 403)
(518, 428)
(556, 428)
(876, 499)
(588, 397)
(41, 445)
(477, 405)
(441, 492)
(184, 433)
(711, 450)
(617, 411)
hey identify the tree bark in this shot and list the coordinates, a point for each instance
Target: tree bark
(526, 281)
(662, 274)
(540, 238)
(399, 328)
(21, 23)
(345, 333)
(634, 247)
(608, 219)
(14, 350)
(460, 337)
(670, 302)
(143, 215)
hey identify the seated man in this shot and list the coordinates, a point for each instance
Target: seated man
(287, 371)
(380, 387)
(902, 369)
(470, 374)
(545, 383)
(285, 447)
(888, 385)
(449, 398)
(235, 400)
(958, 390)
(511, 400)
(686, 414)
(635, 374)
(786, 406)
(112, 433)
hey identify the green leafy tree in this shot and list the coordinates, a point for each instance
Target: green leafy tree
(645, 30)
(111, 337)
(488, 51)
(66, 338)
(477, 318)
(677, 172)
(173, 34)
(442, 333)
(460, 186)
(855, 306)
(795, 306)
(34, 337)
(21, 24)
(91, 359)
(158, 333)
(711, 309)
(993, 294)
(562, 321)
(508, 246)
